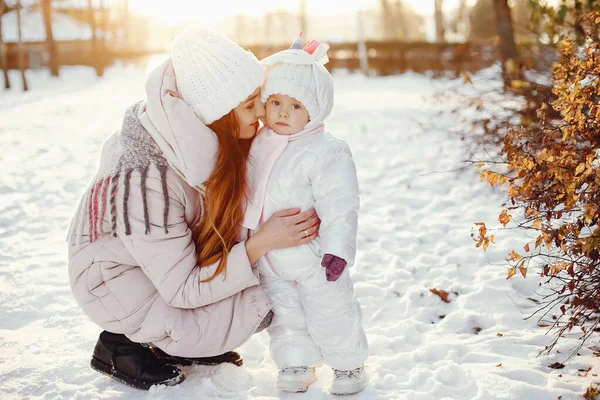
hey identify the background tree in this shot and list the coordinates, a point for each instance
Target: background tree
(551, 168)
(571, 18)
(482, 21)
(92, 22)
(50, 43)
(524, 30)
(507, 46)
(104, 47)
(125, 22)
(20, 47)
(303, 19)
(440, 28)
(97, 47)
(399, 21)
(389, 27)
(3, 51)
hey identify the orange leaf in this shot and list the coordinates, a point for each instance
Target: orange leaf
(442, 293)
(513, 256)
(467, 78)
(538, 241)
(504, 218)
(557, 267)
(523, 270)
(511, 273)
(499, 365)
(492, 178)
(526, 248)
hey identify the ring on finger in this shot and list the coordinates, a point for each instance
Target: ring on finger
(305, 233)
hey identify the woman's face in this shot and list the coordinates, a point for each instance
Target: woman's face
(248, 112)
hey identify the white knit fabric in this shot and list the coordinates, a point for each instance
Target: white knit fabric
(303, 76)
(213, 73)
(293, 80)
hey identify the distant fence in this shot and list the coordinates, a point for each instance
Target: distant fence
(393, 57)
(72, 52)
(384, 58)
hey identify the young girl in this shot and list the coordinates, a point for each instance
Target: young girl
(295, 163)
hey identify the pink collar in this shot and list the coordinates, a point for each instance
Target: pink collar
(266, 149)
(307, 132)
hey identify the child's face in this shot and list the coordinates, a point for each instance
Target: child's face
(285, 115)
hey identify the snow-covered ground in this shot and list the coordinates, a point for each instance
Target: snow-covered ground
(415, 227)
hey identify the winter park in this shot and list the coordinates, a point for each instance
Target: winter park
(392, 199)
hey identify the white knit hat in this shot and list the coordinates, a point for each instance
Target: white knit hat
(294, 80)
(213, 73)
(303, 76)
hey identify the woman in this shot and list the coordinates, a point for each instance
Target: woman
(156, 255)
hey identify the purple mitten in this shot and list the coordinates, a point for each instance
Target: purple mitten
(334, 266)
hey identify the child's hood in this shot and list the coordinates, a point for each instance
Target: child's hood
(323, 79)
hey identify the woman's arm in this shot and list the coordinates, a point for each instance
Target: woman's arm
(286, 228)
(255, 249)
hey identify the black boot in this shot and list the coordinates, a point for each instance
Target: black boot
(232, 357)
(132, 363)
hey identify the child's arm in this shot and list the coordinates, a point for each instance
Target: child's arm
(335, 190)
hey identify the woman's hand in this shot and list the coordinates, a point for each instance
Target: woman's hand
(286, 228)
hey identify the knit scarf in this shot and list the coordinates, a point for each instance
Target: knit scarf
(162, 131)
(131, 149)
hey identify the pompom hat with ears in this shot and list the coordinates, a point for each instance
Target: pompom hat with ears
(213, 73)
(300, 73)
(295, 81)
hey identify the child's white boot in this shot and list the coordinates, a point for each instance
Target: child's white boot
(295, 379)
(348, 382)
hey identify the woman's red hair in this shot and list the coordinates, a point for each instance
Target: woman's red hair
(215, 234)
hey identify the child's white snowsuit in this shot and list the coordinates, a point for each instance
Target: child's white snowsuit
(315, 320)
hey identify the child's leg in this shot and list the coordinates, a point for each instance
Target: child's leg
(334, 319)
(291, 345)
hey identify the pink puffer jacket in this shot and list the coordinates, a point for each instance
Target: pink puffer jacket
(147, 285)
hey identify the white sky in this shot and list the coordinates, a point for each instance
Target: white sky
(186, 10)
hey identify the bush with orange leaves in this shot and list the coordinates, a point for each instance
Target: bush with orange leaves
(551, 170)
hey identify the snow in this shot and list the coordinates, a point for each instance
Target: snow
(63, 27)
(415, 224)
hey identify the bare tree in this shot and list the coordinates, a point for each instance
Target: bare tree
(3, 51)
(21, 48)
(388, 23)
(95, 48)
(92, 22)
(105, 11)
(50, 43)
(302, 16)
(400, 17)
(362, 47)
(504, 26)
(268, 20)
(463, 11)
(440, 29)
(126, 21)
